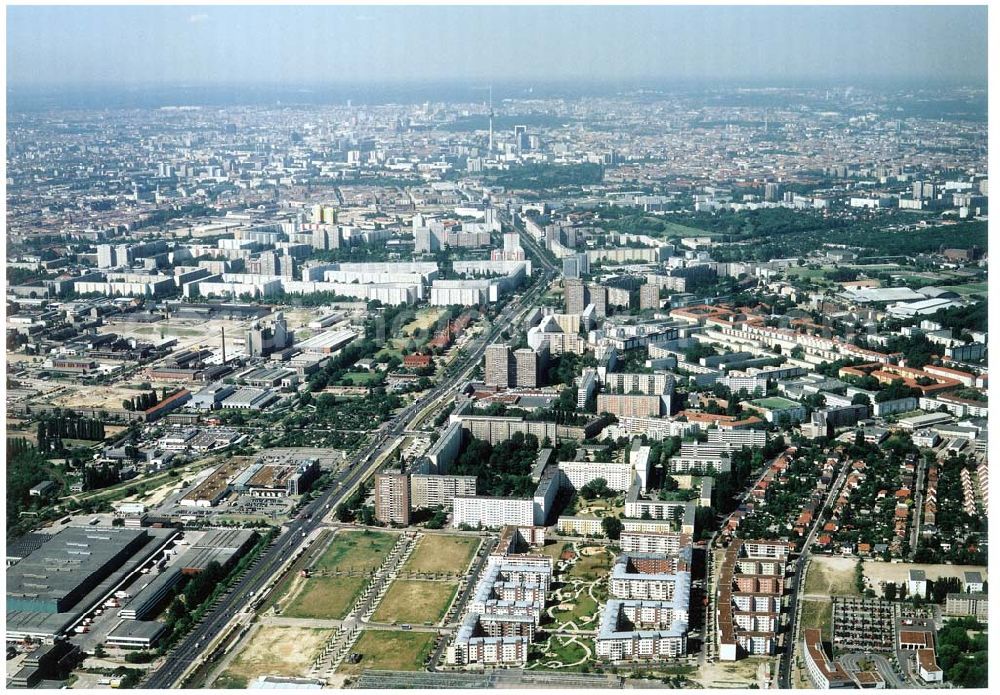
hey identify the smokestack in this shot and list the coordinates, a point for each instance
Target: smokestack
(223, 345)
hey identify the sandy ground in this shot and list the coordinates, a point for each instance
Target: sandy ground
(731, 674)
(878, 572)
(286, 651)
(829, 576)
(425, 318)
(109, 397)
(591, 550)
(837, 574)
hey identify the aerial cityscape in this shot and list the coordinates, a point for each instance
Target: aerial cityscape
(340, 357)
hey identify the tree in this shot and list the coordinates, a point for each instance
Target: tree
(890, 591)
(598, 487)
(612, 527)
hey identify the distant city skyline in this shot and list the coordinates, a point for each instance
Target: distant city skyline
(50, 46)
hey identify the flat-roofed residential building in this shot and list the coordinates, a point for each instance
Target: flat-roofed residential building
(500, 369)
(668, 543)
(629, 405)
(649, 297)
(737, 438)
(580, 526)
(651, 576)
(617, 474)
(748, 602)
(975, 604)
(824, 673)
(526, 368)
(439, 490)
(637, 630)
(492, 512)
(446, 449)
(702, 458)
(503, 612)
(392, 498)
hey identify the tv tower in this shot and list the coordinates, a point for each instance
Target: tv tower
(491, 119)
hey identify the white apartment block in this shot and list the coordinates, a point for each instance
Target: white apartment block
(579, 526)
(618, 475)
(634, 630)
(737, 438)
(492, 512)
(661, 543)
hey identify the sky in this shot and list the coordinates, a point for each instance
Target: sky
(120, 45)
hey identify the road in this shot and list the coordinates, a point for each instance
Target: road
(361, 467)
(788, 654)
(918, 505)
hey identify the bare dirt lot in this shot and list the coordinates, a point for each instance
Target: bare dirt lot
(273, 650)
(878, 572)
(831, 576)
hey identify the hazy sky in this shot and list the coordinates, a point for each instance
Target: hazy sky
(143, 45)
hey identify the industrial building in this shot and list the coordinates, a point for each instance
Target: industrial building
(53, 584)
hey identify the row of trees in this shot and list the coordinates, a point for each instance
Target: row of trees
(70, 427)
(144, 401)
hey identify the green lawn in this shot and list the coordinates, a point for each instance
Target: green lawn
(362, 378)
(390, 650)
(591, 567)
(971, 288)
(357, 550)
(564, 651)
(818, 614)
(582, 607)
(776, 402)
(806, 273)
(445, 554)
(415, 601)
(327, 598)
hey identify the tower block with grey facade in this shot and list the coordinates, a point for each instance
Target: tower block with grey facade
(392, 498)
(499, 367)
(649, 297)
(522, 368)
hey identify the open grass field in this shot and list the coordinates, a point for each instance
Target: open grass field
(446, 554)
(328, 598)
(806, 273)
(971, 288)
(554, 549)
(274, 650)
(774, 402)
(579, 608)
(362, 378)
(424, 320)
(592, 566)
(818, 614)
(390, 650)
(831, 576)
(674, 229)
(415, 601)
(358, 550)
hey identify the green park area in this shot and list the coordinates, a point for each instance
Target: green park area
(436, 553)
(415, 601)
(390, 650)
